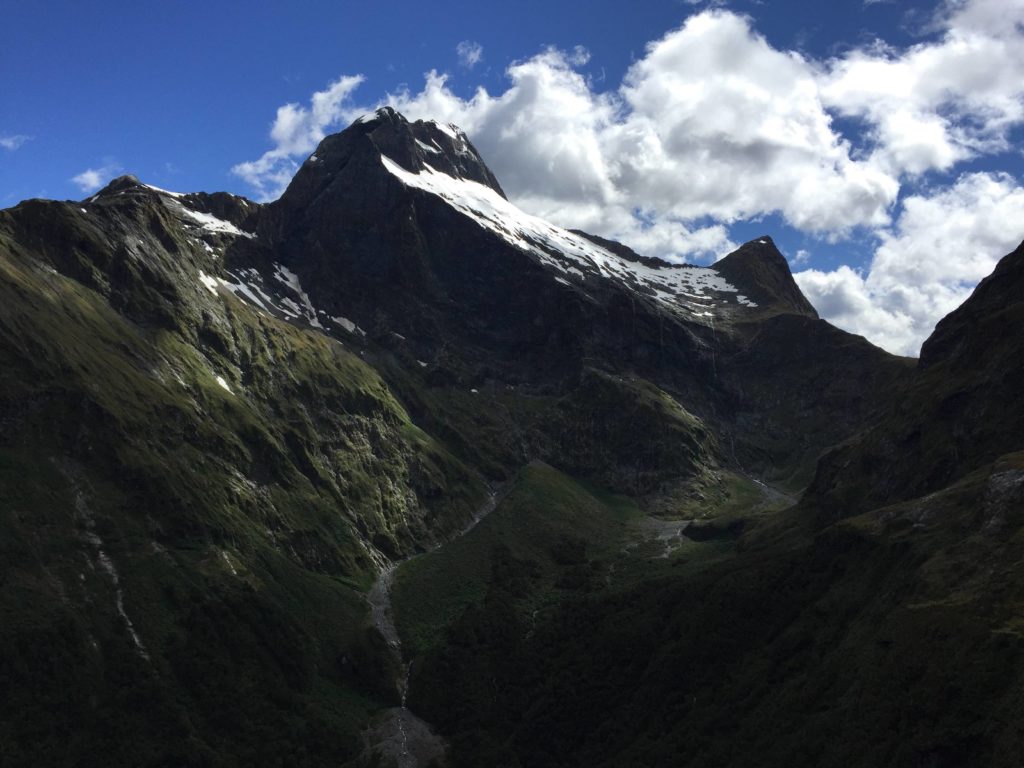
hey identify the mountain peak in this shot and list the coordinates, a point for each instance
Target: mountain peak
(760, 270)
(983, 328)
(120, 184)
(131, 183)
(356, 152)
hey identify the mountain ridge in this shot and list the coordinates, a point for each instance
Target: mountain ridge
(220, 419)
(959, 413)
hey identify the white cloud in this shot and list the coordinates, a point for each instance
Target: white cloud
(12, 143)
(937, 103)
(579, 57)
(800, 258)
(722, 124)
(996, 18)
(92, 179)
(712, 121)
(470, 53)
(296, 132)
(541, 137)
(713, 125)
(941, 246)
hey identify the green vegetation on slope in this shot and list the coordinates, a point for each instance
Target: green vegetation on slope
(195, 495)
(888, 639)
(561, 534)
(183, 559)
(496, 596)
(617, 430)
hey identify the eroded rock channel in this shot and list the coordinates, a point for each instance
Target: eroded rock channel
(400, 737)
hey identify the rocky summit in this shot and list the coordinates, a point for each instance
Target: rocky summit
(390, 472)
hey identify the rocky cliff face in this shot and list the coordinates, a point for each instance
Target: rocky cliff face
(761, 271)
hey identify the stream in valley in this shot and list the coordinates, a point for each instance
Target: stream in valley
(401, 736)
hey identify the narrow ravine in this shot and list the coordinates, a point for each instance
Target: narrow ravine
(84, 516)
(403, 737)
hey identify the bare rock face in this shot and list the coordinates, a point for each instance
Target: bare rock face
(403, 740)
(982, 332)
(762, 271)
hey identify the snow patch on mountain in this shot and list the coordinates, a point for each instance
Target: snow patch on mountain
(163, 191)
(348, 325)
(209, 282)
(210, 223)
(679, 287)
(428, 148)
(291, 280)
(283, 297)
(246, 284)
(449, 129)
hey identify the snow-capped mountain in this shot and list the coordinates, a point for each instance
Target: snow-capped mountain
(225, 426)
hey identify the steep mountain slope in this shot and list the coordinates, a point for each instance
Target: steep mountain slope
(759, 269)
(193, 498)
(219, 420)
(892, 637)
(421, 250)
(962, 411)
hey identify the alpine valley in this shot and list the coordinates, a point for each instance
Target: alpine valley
(390, 473)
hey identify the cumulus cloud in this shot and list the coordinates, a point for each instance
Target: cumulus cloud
(941, 246)
(12, 143)
(713, 124)
(295, 132)
(470, 53)
(722, 124)
(937, 103)
(92, 179)
(800, 258)
(710, 122)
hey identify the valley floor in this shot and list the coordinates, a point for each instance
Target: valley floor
(559, 540)
(573, 628)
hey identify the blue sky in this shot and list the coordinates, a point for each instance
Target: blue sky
(878, 142)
